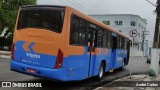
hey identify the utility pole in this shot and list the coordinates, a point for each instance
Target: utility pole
(155, 50)
(143, 38)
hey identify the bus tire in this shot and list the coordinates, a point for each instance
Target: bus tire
(101, 72)
(122, 68)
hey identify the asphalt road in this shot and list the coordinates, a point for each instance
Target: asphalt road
(138, 65)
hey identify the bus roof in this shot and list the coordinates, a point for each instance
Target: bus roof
(43, 6)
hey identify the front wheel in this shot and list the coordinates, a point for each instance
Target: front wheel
(101, 72)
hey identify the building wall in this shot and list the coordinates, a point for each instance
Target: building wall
(126, 28)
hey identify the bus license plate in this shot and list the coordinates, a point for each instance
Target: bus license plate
(31, 70)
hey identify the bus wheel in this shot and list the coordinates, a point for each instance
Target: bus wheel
(101, 72)
(122, 68)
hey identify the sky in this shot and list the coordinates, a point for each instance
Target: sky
(136, 7)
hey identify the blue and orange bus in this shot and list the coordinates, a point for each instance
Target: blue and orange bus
(61, 43)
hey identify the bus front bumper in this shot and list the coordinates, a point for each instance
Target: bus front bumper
(56, 74)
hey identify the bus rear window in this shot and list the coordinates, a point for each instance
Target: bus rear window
(42, 18)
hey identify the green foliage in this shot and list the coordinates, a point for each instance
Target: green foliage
(152, 72)
(8, 13)
(5, 41)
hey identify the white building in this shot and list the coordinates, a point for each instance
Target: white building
(125, 23)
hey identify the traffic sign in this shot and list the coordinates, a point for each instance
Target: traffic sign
(133, 33)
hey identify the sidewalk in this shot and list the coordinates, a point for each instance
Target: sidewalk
(137, 82)
(5, 54)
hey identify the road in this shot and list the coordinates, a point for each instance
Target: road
(139, 66)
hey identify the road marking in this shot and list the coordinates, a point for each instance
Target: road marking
(97, 88)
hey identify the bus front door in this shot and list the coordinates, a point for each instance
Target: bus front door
(91, 50)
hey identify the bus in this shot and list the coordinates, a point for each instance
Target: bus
(61, 43)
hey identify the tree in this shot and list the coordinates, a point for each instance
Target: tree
(8, 13)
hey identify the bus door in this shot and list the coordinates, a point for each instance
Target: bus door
(114, 47)
(91, 48)
(128, 51)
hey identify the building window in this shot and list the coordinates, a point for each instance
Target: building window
(133, 23)
(142, 27)
(106, 22)
(139, 34)
(139, 25)
(118, 22)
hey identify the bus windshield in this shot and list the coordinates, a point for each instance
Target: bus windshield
(40, 17)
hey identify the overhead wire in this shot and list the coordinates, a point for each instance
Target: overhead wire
(92, 12)
(151, 3)
(82, 6)
(78, 6)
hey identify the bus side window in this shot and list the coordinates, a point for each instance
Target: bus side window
(100, 38)
(125, 44)
(78, 31)
(105, 39)
(74, 31)
(91, 38)
(109, 39)
(91, 34)
(120, 42)
(82, 32)
(117, 42)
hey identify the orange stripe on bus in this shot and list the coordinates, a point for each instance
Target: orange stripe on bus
(105, 51)
(25, 46)
(76, 50)
(47, 48)
(98, 51)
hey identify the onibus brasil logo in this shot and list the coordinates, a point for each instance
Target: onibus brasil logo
(20, 84)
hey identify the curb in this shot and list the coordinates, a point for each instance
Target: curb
(139, 77)
(7, 53)
(125, 77)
